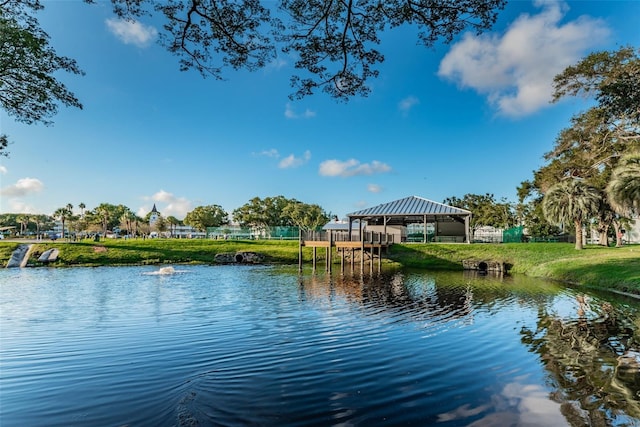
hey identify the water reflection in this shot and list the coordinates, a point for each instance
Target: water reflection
(238, 345)
(592, 360)
(588, 345)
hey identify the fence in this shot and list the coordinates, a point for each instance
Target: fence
(513, 235)
(241, 233)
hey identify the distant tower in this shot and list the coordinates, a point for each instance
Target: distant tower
(154, 215)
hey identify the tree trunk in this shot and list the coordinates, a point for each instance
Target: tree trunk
(603, 231)
(618, 230)
(578, 225)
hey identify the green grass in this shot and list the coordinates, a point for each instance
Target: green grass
(157, 251)
(595, 266)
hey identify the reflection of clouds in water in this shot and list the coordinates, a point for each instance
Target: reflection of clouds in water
(164, 271)
(518, 405)
(534, 406)
(462, 412)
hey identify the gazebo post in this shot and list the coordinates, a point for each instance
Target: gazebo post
(314, 258)
(361, 249)
(329, 251)
(424, 240)
(300, 251)
(467, 234)
(384, 221)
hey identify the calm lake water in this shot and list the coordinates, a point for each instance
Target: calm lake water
(237, 345)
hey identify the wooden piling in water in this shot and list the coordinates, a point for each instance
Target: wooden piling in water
(362, 246)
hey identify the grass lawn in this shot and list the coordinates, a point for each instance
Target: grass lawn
(595, 266)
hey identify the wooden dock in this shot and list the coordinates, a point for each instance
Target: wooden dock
(369, 247)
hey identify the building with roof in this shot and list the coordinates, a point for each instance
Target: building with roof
(439, 222)
(154, 215)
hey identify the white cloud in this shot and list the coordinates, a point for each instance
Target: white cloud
(290, 113)
(292, 161)
(516, 70)
(3, 170)
(277, 63)
(408, 103)
(168, 204)
(17, 205)
(132, 32)
(374, 188)
(268, 153)
(352, 167)
(23, 187)
(163, 196)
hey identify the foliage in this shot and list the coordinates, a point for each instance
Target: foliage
(36, 222)
(613, 78)
(173, 223)
(161, 224)
(206, 216)
(129, 222)
(107, 216)
(571, 200)
(306, 217)
(486, 211)
(530, 212)
(592, 146)
(62, 215)
(623, 189)
(334, 42)
(588, 149)
(29, 90)
(4, 144)
(264, 213)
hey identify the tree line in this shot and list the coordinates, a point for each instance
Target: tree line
(258, 214)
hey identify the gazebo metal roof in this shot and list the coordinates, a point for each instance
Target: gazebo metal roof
(410, 206)
(412, 210)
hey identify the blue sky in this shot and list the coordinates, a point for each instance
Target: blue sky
(469, 117)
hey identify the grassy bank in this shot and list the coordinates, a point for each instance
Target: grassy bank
(153, 251)
(595, 266)
(598, 267)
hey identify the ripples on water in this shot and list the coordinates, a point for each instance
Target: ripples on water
(262, 346)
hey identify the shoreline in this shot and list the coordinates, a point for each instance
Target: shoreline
(597, 267)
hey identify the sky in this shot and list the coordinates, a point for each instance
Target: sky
(470, 117)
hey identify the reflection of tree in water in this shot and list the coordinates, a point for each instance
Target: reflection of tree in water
(593, 361)
(425, 298)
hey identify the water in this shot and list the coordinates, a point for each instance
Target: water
(234, 345)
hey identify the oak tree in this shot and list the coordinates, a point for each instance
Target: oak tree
(206, 216)
(612, 78)
(29, 89)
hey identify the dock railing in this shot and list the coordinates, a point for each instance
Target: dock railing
(369, 237)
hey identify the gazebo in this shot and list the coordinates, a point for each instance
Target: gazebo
(449, 224)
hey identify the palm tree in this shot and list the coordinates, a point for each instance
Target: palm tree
(23, 220)
(62, 214)
(104, 215)
(623, 189)
(571, 200)
(173, 222)
(82, 206)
